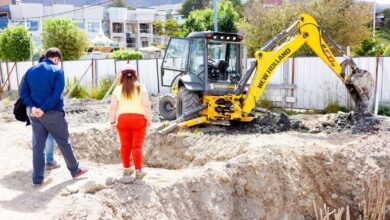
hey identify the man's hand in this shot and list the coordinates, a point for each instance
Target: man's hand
(37, 112)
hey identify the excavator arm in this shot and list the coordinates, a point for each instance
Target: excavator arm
(307, 31)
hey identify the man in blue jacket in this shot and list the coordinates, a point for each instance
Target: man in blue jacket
(42, 92)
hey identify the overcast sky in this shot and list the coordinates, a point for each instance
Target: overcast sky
(382, 1)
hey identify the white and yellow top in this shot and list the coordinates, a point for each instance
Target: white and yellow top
(129, 105)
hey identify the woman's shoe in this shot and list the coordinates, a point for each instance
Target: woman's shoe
(139, 174)
(128, 171)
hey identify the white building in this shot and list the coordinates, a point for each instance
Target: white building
(32, 15)
(135, 27)
(171, 9)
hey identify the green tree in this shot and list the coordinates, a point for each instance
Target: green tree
(203, 20)
(168, 28)
(238, 7)
(65, 35)
(15, 44)
(345, 21)
(120, 4)
(190, 5)
(227, 17)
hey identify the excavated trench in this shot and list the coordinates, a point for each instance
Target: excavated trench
(272, 168)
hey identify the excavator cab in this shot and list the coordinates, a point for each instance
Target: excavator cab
(204, 63)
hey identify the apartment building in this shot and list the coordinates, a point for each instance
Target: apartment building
(135, 27)
(32, 16)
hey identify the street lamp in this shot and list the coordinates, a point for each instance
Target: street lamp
(215, 15)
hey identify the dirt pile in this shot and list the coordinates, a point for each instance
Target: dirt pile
(267, 124)
(353, 122)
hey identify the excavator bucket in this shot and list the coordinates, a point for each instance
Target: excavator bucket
(360, 84)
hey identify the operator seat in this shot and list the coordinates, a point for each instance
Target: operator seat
(222, 68)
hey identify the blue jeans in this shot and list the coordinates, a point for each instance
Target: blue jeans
(49, 146)
(49, 149)
(51, 122)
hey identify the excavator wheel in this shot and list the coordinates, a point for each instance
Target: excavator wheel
(360, 85)
(167, 107)
(186, 101)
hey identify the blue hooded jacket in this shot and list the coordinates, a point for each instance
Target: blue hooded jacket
(42, 87)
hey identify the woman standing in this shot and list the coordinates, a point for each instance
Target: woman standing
(131, 101)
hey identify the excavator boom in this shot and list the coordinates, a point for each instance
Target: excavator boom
(307, 31)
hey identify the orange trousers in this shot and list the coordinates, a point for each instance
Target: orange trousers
(132, 130)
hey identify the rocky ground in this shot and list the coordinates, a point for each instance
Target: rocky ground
(273, 168)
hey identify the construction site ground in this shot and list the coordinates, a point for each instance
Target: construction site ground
(273, 168)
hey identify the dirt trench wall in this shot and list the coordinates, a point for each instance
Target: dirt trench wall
(276, 176)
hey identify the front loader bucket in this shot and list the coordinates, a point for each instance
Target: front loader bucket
(360, 84)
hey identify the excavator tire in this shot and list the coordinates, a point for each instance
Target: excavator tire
(167, 107)
(186, 101)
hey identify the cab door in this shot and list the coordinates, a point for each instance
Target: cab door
(175, 61)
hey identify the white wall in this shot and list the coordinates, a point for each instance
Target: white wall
(316, 85)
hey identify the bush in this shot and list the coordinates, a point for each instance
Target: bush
(15, 44)
(264, 103)
(344, 109)
(369, 47)
(127, 55)
(99, 92)
(384, 110)
(387, 51)
(79, 92)
(64, 34)
(332, 107)
(93, 94)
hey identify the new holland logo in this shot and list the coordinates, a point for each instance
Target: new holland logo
(272, 67)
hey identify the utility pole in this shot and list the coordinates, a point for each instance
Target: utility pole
(373, 23)
(215, 15)
(31, 49)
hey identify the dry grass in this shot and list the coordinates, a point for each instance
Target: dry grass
(373, 205)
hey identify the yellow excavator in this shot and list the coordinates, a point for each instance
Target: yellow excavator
(204, 71)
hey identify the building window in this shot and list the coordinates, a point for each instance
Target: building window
(93, 26)
(17, 22)
(3, 21)
(130, 41)
(144, 42)
(32, 25)
(117, 39)
(117, 28)
(144, 28)
(81, 24)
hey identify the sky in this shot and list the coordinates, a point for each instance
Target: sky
(382, 1)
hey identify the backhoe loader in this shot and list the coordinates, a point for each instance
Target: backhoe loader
(204, 71)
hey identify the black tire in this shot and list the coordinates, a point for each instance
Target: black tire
(186, 101)
(167, 107)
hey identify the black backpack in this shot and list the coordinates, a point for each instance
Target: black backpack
(20, 111)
